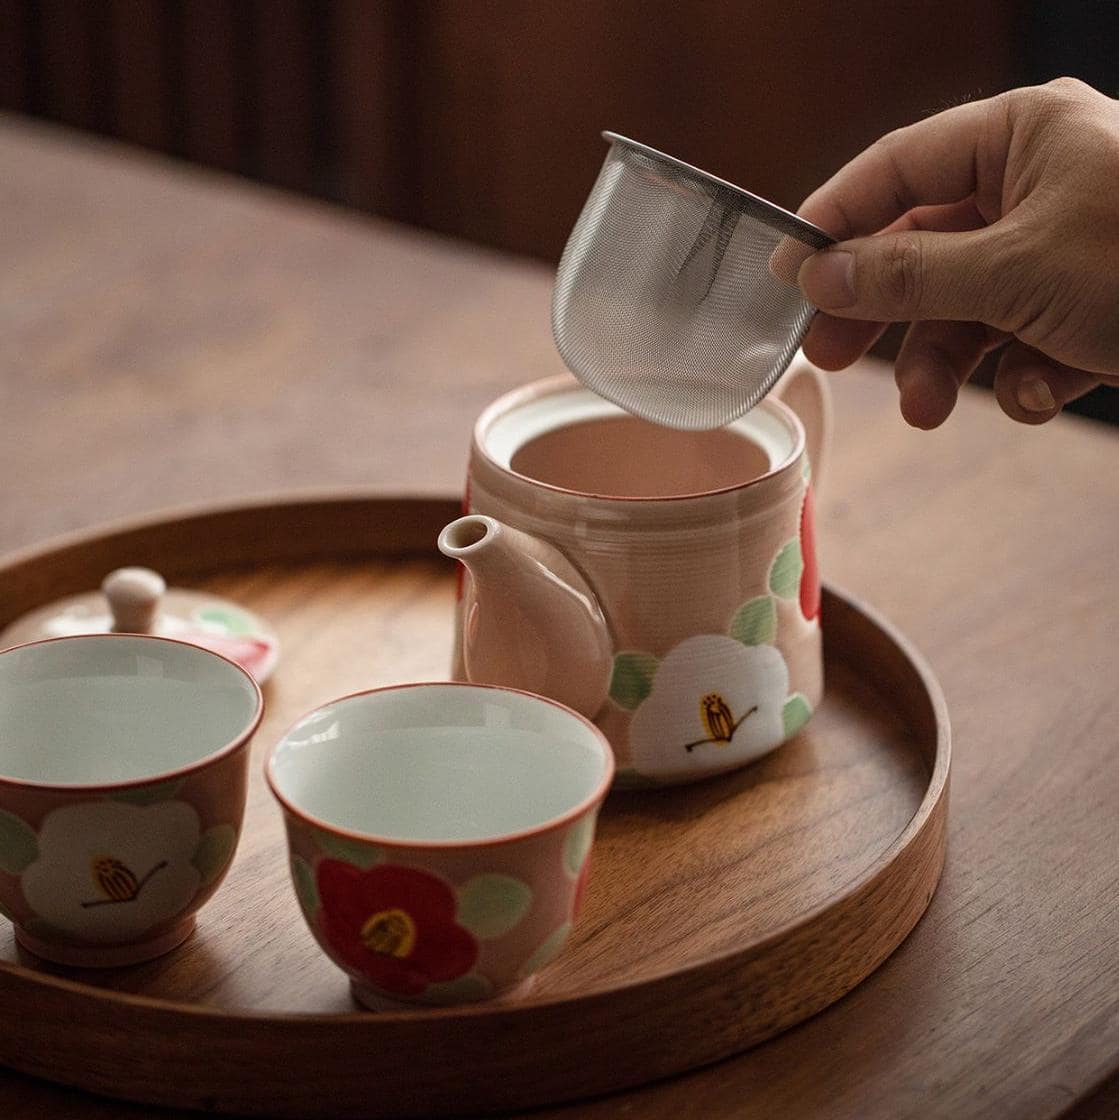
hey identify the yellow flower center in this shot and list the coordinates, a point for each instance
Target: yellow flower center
(389, 932)
(113, 879)
(717, 718)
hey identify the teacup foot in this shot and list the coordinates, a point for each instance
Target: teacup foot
(106, 956)
(374, 1000)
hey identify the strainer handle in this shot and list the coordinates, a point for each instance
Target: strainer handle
(805, 389)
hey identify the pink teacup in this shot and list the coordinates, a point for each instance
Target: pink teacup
(662, 583)
(440, 834)
(123, 775)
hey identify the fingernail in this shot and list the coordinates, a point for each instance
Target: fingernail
(828, 279)
(1034, 395)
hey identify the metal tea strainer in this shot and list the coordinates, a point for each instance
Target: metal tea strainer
(676, 296)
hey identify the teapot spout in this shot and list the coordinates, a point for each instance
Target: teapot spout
(530, 620)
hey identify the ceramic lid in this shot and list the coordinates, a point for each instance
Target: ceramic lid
(138, 601)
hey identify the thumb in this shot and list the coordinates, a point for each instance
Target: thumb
(901, 277)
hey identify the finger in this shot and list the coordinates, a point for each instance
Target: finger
(931, 162)
(787, 257)
(1032, 388)
(833, 343)
(836, 343)
(935, 359)
(952, 217)
(916, 275)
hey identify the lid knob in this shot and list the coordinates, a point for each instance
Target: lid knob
(133, 595)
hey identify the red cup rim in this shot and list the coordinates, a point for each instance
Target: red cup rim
(553, 824)
(161, 776)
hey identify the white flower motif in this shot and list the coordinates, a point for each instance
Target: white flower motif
(108, 871)
(715, 704)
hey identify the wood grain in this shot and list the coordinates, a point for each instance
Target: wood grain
(745, 903)
(171, 338)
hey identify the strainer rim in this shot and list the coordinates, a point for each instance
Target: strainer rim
(786, 220)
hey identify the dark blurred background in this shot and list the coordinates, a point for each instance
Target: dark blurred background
(479, 118)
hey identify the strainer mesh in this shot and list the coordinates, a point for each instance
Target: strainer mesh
(676, 296)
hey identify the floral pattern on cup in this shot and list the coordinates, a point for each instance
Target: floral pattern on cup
(396, 926)
(408, 933)
(111, 870)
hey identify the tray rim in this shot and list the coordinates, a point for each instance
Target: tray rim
(931, 810)
(937, 781)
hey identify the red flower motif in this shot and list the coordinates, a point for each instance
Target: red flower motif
(394, 925)
(810, 576)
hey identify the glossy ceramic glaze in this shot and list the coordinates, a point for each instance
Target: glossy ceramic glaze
(138, 601)
(440, 834)
(662, 583)
(123, 774)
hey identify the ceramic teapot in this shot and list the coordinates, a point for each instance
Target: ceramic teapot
(662, 583)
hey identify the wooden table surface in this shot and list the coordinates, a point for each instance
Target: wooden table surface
(170, 337)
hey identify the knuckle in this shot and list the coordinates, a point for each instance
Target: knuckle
(896, 138)
(1054, 99)
(900, 272)
(1057, 321)
(1019, 297)
(1066, 86)
(1002, 279)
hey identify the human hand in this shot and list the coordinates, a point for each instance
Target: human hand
(995, 222)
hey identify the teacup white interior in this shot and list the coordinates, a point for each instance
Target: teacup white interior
(115, 708)
(439, 763)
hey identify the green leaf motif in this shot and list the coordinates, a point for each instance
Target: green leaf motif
(148, 795)
(546, 952)
(19, 846)
(796, 714)
(633, 678)
(784, 576)
(491, 905)
(755, 622)
(226, 618)
(305, 890)
(214, 851)
(355, 852)
(578, 843)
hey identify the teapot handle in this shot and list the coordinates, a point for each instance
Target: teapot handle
(805, 389)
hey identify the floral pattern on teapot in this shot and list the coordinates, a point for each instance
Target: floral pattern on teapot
(717, 701)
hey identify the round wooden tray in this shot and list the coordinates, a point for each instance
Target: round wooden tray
(716, 916)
